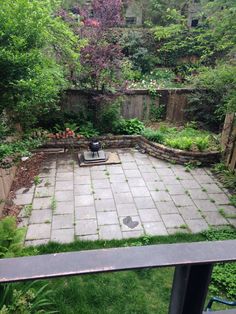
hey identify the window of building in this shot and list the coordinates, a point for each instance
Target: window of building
(194, 23)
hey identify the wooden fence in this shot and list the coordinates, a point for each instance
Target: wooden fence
(229, 140)
(6, 178)
(136, 103)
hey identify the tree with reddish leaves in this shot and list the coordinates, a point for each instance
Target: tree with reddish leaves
(101, 59)
(108, 12)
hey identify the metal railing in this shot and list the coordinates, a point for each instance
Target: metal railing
(193, 264)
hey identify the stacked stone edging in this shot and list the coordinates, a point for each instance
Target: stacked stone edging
(176, 155)
(153, 149)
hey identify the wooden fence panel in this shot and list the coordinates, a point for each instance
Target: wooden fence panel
(228, 140)
(6, 179)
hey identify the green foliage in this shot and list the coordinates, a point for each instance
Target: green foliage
(138, 48)
(220, 82)
(188, 138)
(183, 143)
(129, 127)
(225, 175)
(108, 116)
(157, 78)
(88, 130)
(30, 298)
(233, 200)
(11, 238)
(13, 151)
(153, 135)
(157, 113)
(202, 143)
(223, 277)
(30, 47)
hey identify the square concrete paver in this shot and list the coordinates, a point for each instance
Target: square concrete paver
(142, 195)
(63, 235)
(105, 205)
(127, 210)
(39, 216)
(197, 225)
(173, 220)
(63, 221)
(110, 232)
(63, 208)
(144, 202)
(86, 227)
(84, 200)
(167, 207)
(155, 228)
(107, 218)
(38, 231)
(42, 203)
(85, 213)
(149, 215)
(23, 199)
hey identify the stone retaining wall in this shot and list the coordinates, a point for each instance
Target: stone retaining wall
(154, 149)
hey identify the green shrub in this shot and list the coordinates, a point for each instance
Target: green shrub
(109, 116)
(129, 127)
(88, 130)
(223, 276)
(225, 175)
(11, 238)
(202, 143)
(30, 298)
(154, 136)
(18, 149)
(183, 143)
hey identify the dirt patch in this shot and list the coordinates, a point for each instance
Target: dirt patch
(24, 178)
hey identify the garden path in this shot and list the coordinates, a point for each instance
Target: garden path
(142, 195)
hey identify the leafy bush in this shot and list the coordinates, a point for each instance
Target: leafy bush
(88, 130)
(202, 143)
(223, 277)
(109, 116)
(183, 143)
(11, 238)
(129, 127)
(30, 298)
(225, 175)
(11, 152)
(154, 136)
(217, 95)
(31, 48)
(188, 138)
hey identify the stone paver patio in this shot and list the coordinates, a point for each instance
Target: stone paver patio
(142, 195)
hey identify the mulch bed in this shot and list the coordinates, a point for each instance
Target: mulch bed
(24, 178)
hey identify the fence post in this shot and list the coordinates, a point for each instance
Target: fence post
(189, 290)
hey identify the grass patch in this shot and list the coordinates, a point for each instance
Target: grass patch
(142, 291)
(145, 291)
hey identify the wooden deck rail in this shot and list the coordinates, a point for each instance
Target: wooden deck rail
(193, 264)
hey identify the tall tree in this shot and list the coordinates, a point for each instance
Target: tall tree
(34, 47)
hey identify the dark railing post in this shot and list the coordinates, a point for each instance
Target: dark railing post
(189, 290)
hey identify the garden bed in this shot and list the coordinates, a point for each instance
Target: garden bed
(154, 149)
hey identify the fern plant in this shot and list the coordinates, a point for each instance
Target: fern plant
(11, 238)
